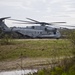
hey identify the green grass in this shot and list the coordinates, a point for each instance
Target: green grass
(66, 68)
(35, 48)
(57, 71)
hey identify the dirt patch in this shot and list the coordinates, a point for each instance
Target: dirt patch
(25, 63)
(29, 63)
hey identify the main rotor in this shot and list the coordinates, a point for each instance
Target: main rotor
(32, 21)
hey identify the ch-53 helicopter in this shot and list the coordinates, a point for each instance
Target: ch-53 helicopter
(43, 31)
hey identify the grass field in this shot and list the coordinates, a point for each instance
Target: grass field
(33, 48)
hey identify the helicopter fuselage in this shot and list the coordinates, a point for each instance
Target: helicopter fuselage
(37, 31)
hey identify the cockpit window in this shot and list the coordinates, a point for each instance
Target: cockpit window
(45, 29)
(33, 27)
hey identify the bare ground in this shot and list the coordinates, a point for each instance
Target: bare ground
(29, 63)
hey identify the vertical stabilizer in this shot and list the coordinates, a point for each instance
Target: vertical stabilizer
(3, 25)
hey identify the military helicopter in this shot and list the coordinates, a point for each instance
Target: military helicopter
(43, 31)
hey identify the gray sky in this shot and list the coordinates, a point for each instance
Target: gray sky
(41, 10)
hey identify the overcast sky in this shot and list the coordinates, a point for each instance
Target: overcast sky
(41, 10)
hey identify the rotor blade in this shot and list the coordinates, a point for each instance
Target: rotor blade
(4, 18)
(58, 22)
(42, 23)
(32, 19)
(24, 23)
(63, 25)
(67, 26)
(37, 22)
(19, 20)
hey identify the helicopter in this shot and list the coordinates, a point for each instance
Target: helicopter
(43, 31)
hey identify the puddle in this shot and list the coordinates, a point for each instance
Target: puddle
(18, 72)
